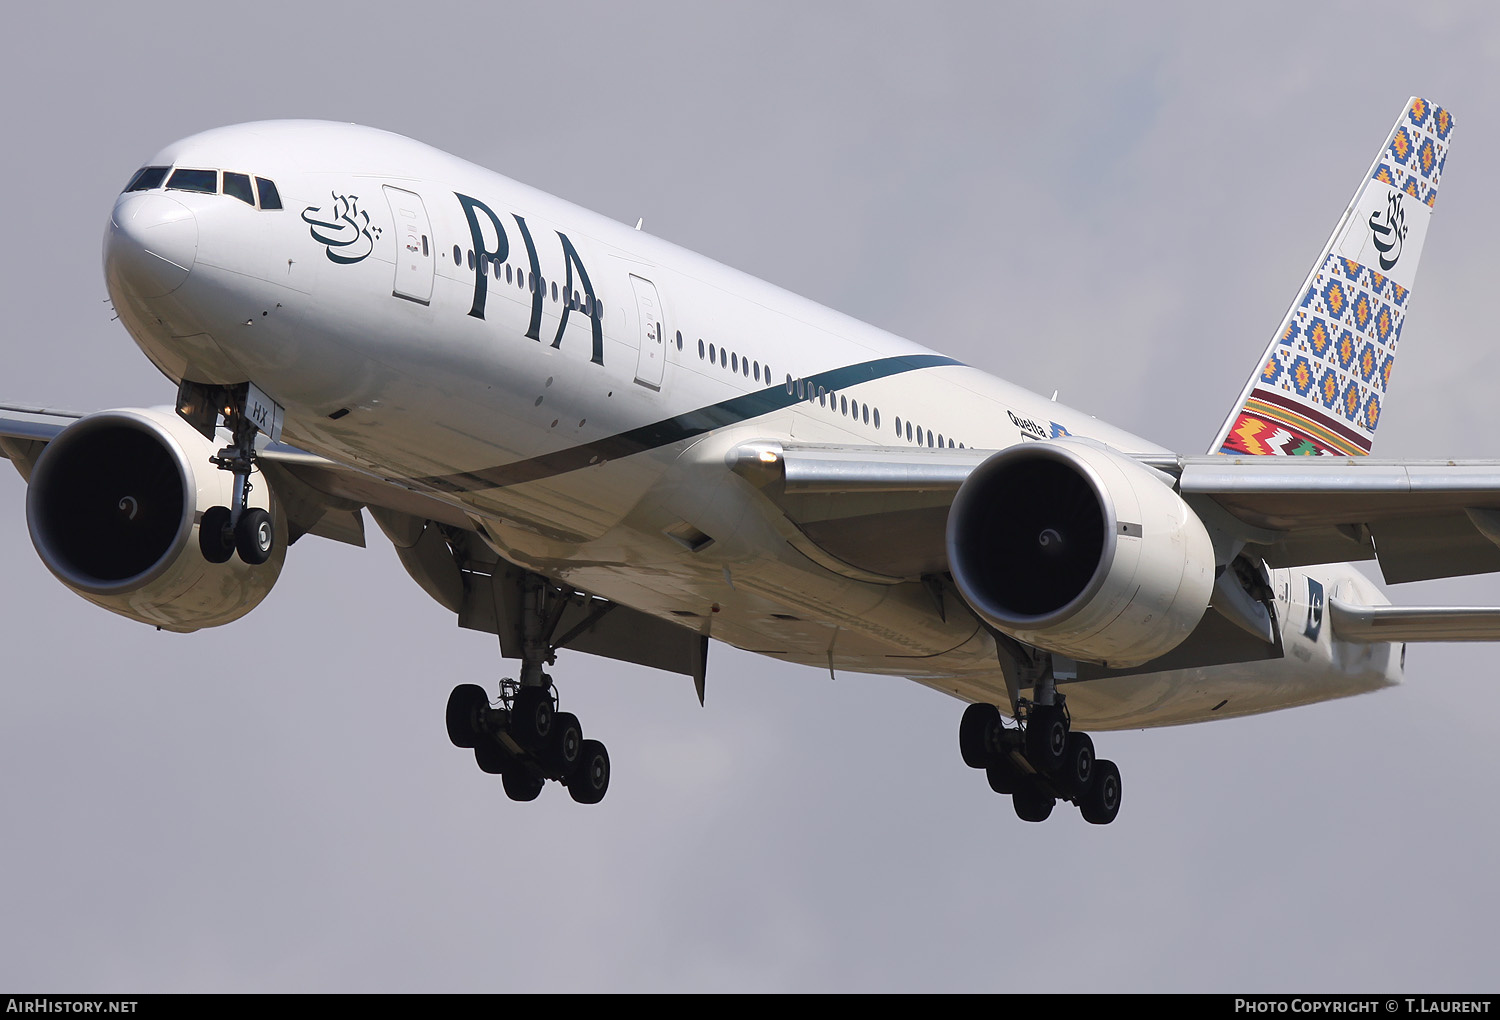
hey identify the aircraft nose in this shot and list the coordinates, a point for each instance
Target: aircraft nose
(151, 244)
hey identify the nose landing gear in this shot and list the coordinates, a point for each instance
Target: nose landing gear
(239, 527)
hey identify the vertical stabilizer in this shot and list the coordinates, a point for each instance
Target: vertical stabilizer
(1321, 385)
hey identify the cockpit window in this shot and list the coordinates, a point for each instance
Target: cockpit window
(238, 186)
(146, 178)
(204, 182)
(269, 197)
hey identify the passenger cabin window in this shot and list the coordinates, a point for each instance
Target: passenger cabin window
(238, 186)
(204, 182)
(270, 198)
(147, 178)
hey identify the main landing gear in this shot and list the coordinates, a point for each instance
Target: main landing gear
(1040, 762)
(524, 739)
(239, 527)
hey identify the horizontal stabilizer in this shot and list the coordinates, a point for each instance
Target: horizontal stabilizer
(1413, 623)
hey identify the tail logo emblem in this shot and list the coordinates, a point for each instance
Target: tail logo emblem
(1314, 609)
(1390, 232)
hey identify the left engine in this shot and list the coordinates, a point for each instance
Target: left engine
(1080, 550)
(113, 509)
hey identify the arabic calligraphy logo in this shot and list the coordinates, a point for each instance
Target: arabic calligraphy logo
(1390, 232)
(346, 231)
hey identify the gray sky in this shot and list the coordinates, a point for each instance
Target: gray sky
(1116, 200)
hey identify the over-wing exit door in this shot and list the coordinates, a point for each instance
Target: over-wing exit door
(414, 248)
(648, 370)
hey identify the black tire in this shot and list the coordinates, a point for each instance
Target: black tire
(1077, 772)
(521, 783)
(532, 718)
(979, 735)
(466, 707)
(1003, 775)
(567, 743)
(255, 536)
(1046, 738)
(590, 780)
(1102, 803)
(215, 537)
(1032, 804)
(492, 758)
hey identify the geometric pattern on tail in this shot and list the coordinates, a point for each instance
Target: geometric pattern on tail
(1324, 380)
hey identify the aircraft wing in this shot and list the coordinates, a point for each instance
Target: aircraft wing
(1420, 519)
(884, 510)
(320, 496)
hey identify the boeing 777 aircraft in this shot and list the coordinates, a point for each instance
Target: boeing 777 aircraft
(580, 436)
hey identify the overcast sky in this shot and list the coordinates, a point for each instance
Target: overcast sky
(1117, 200)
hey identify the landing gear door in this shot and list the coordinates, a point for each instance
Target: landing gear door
(648, 370)
(415, 258)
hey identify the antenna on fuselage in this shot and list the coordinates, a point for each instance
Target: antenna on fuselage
(639, 222)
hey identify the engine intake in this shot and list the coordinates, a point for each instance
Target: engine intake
(1081, 551)
(113, 510)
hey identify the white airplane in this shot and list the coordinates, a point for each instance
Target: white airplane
(580, 436)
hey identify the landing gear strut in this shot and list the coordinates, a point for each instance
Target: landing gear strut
(1040, 761)
(525, 739)
(239, 527)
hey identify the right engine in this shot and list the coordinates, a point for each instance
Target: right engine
(113, 509)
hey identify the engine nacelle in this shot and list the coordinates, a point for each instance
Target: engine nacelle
(113, 509)
(1081, 551)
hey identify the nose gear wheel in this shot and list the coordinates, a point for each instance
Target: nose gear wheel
(239, 527)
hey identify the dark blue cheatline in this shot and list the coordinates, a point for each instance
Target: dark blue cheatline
(677, 428)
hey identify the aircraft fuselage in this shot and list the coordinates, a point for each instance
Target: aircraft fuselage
(573, 386)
